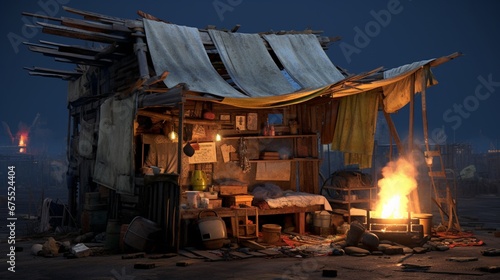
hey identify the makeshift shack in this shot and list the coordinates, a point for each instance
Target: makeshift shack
(160, 109)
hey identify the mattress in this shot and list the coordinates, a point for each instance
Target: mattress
(299, 199)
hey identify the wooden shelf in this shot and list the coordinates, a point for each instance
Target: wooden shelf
(268, 137)
(348, 201)
(284, 160)
(340, 201)
(348, 189)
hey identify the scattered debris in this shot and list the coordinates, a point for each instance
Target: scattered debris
(80, 251)
(183, 263)
(84, 237)
(36, 249)
(405, 267)
(134, 256)
(50, 248)
(414, 267)
(394, 250)
(162, 256)
(402, 259)
(462, 259)
(491, 269)
(144, 265)
(491, 252)
(419, 250)
(356, 251)
(329, 273)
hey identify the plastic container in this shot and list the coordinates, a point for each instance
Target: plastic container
(322, 219)
(193, 199)
(142, 234)
(271, 233)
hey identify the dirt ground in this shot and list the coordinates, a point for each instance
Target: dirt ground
(478, 215)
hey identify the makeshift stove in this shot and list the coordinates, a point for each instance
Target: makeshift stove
(406, 231)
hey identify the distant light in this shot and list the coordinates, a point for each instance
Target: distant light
(218, 138)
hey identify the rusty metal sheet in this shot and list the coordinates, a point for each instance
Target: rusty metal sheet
(304, 59)
(249, 64)
(180, 51)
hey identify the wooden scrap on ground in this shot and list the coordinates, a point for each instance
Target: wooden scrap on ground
(240, 255)
(252, 244)
(144, 265)
(269, 252)
(162, 256)
(206, 254)
(189, 255)
(462, 259)
(184, 263)
(256, 254)
(133, 256)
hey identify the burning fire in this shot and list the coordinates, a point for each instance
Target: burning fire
(398, 182)
(23, 141)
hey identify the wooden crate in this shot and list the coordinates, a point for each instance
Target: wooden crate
(231, 189)
(237, 200)
(215, 203)
(247, 230)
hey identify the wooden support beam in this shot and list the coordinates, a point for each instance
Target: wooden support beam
(41, 16)
(412, 114)
(444, 59)
(53, 71)
(71, 56)
(394, 133)
(94, 26)
(82, 34)
(94, 16)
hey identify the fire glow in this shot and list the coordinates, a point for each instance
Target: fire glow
(397, 183)
(23, 141)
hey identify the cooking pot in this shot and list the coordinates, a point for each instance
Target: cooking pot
(188, 149)
(212, 230)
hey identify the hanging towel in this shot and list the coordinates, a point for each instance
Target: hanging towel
(355, 129)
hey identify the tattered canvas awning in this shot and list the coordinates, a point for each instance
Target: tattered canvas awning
(257, 81)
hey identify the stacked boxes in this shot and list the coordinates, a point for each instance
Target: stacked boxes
(234, 195)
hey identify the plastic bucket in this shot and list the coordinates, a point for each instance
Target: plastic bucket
(271, 233)
(425, 220)
(142, 234)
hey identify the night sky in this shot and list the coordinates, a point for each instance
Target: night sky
(374, 33)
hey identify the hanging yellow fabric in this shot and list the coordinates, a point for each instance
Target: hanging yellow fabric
(355, 129)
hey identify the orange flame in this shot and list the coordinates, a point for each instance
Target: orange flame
(23, 140)
(398, 182)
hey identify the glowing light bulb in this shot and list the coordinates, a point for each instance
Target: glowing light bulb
(172, 135)
(218, 138)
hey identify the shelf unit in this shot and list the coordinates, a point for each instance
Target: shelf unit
(298, 147)
(301, 150)
(347, 197)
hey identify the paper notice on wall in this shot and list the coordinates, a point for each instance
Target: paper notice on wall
(226, 150)
(205, 154)
(273, 171)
